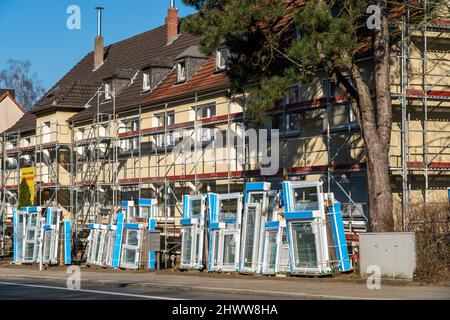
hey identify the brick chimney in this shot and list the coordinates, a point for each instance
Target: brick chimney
(172, 22)
(99, 46)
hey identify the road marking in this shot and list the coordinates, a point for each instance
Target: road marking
(90, 291)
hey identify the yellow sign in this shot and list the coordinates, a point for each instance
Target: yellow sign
(29, 175)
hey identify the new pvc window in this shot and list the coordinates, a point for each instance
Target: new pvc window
(304, 245)
(47, 245)
(31, 238)
(215, 249)
(271, 249)
(130, 249)
(228, 209)
(251, 232)
(92, 246)
(187, 245)
(19, 236)
(229, 249)
(305, 198)
(196, 207)
(256, 197)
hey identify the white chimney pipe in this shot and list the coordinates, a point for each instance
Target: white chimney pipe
(172, 3)
(99, 46)
(99, 20)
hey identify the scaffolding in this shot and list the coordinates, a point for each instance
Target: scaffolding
(87, 168)
(48, 152)
(422, 94)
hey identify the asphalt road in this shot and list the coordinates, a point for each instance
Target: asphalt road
(50, 290)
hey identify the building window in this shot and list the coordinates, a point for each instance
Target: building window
(290, 124)
(133, 126)
(206, 111)
(181, 71)
(80, 134)
(222, 58)
(130, 144)
(108, 91)
(146, 81)
(46, 132)
(27, 142)
(293, 95)
(165, 120)
(341, 115)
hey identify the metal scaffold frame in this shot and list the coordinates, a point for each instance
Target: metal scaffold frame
(418, 93)
(117, 159)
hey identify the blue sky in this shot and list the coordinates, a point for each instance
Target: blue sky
(36, 30)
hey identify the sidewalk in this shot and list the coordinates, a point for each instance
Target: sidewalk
(278, 288)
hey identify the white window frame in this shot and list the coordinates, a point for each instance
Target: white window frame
(127, 246)
(265, 264)
(211, 110)
(166, 119)
(146, 81)
(46, 132)
(221, 58)
(319, 268)
(36, 228)
(216, 242)
(181, 71)
(108, 91)
(257, 241)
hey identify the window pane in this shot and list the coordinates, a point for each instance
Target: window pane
(29, 252)
(47, 243)
(305, 199)
(133, 239)
(293, 121)
(256, 198)
(187, 245)
(30, 235)
(130, 256)
(229, 249)
(228, 209)
(271, 249)
(250, 237)
(304, 245)
(196, 206)
(216, 247)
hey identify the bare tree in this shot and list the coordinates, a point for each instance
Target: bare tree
(16, 75)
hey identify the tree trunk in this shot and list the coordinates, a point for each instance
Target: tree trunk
(379, 188)
(375, 119)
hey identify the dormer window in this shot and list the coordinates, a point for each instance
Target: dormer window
(181, 71)
(108, 91)
(221, 58)
(146, 84)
